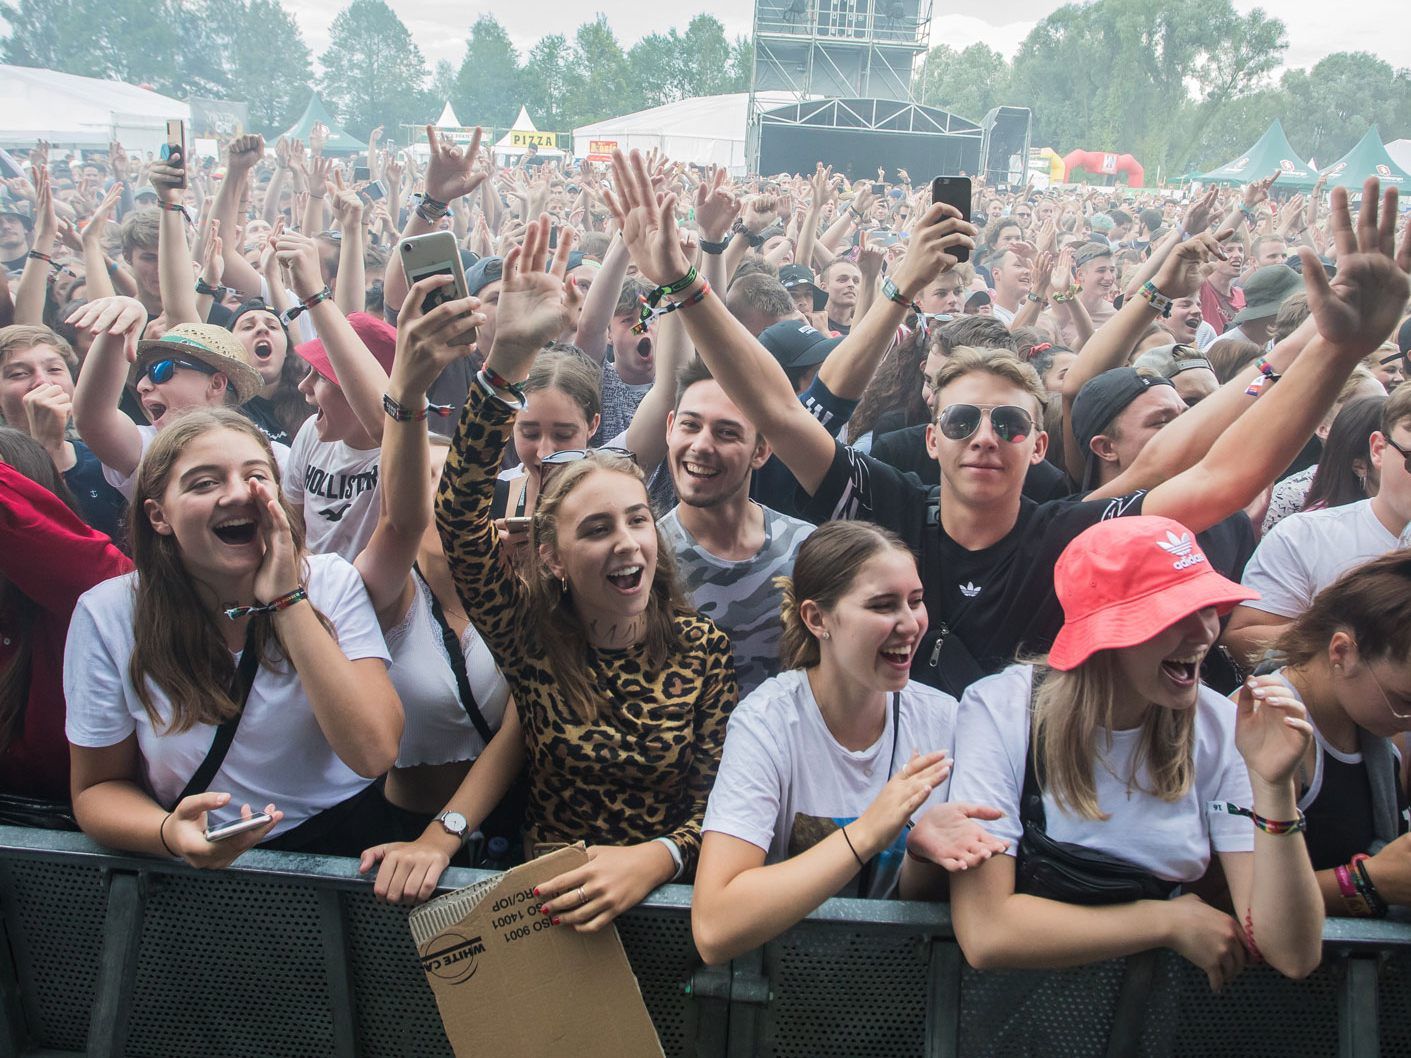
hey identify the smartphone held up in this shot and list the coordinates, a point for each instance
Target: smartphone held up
(954, 191)
(435, 254)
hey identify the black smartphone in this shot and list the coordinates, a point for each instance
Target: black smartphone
(954, 191)
(879, 189)
(361, 174)
(176, 144)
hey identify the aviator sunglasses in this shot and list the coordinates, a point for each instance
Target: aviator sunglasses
(1009, 422)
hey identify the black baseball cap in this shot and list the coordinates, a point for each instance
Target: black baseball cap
(796, 275)
(796, 344)
(1101, 400)
(485, 271)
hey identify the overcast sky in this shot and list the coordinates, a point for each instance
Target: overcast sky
(439, 26)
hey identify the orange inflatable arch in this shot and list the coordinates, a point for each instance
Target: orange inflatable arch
(1103, 165)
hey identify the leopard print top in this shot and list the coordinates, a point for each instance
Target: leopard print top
(645, 766)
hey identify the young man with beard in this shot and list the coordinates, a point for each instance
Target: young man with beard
(988, 557)
(728, 548)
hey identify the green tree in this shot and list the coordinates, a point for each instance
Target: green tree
(488, 85)
(274, 80)
(969, 83)
(598, 75)
(704, 58)
(1330, 107)
(653, 67)
(546, 82)
(373, 73)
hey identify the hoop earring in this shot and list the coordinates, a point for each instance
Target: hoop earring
(563, 583)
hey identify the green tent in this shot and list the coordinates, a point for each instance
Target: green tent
(338, 142)
(1271, 153)
(1368, 158)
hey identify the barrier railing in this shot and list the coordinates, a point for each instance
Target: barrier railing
(109, 954)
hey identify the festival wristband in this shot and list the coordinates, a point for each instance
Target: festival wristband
(640, 327)
(283, 602)
(1269, 826)
(1159, 301)
(307, 303)
(713, 248)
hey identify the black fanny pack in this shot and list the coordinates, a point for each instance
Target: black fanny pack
(1073, 874)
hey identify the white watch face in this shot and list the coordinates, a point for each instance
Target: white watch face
(454, 822)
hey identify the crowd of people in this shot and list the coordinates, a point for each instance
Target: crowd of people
(790, 535)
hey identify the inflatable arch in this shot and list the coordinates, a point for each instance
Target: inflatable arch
(1104, 165)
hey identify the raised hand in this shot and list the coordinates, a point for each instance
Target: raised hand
(46, 221)
(1181, 274)
(869, 258)
(298, 256)
(647, 221)
(117, 316)
(168, 178)
(279, 569)
(318, 136)
(429, 343)
(823, 186)
(1272, 732)
(212, 258)
(450, 172)
(1201, 212)
(1258, 191)
(533, 309)
(759, 212)
(1363, 303)
(320, 173)
(244, 153)
(716, 206)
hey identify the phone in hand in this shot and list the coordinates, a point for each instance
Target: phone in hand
(221, 831)
(879, 189)
(954, 191)
(435, 254)
(514, 524)
(375, 191)
(176, 145)
(361, 174)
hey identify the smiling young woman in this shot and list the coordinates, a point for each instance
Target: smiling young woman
(169, 718)
(621, 692)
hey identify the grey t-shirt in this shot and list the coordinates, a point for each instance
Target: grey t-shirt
(620, 400)
(740, 596)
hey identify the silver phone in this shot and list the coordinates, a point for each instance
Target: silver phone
(240, 826)
(434, 254)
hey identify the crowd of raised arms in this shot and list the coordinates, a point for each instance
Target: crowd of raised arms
(790, 535)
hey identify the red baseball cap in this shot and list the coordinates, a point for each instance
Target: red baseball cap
(379, 337)
(1122, 581)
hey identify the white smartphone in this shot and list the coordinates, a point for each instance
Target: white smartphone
(435, 254)
(240, 826)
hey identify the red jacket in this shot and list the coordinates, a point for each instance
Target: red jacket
(52, 557)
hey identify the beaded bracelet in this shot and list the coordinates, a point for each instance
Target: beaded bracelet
(1269, 826)
(283, 602)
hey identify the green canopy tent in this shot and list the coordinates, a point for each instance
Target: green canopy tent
(338, 142)
(1368, 158)
(1271, 153)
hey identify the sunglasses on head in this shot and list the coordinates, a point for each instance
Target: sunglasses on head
(1009, 422)
(159, 371)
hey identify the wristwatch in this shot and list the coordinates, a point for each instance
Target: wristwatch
(456, 825)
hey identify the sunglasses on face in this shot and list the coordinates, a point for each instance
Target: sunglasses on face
(159, 371)
(1009, 422)
(1405, 453)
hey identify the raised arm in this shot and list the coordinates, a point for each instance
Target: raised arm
(114, 438)
(176, 275)
(424, 350)
(33, 287)
(749, 375)
(1354, 314)
(243, 154)
(716, 209)
(351, 287)
(601, 300)
(646, 434)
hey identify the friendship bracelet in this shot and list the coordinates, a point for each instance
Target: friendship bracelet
(162, 833)
(38, 256)
(893, 293)
(500, 382)
(851, 848)
(399, 412)
(1276, 827)
(271, 607)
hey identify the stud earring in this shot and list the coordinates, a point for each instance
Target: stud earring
(827, 635)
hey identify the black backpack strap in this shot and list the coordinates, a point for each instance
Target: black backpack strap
(225, 733)
(1031, 799)
(452, 645)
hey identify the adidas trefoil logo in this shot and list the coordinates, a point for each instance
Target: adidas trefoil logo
(1181, 547)
(969, 590)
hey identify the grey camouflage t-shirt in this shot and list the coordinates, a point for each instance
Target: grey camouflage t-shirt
(741, 597)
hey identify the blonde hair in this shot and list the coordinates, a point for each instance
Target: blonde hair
(1074, 710)
(825, 567)
(177, 645)
(19, 336)
(560, 628)
(1001, 363)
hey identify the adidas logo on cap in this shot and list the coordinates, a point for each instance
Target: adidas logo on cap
(1181, 547)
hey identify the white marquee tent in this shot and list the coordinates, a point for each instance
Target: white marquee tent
(706, 130)
(73, 111)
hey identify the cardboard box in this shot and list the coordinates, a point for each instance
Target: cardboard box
(509, 984)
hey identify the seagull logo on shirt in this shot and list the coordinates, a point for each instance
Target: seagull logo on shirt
(335, 514)
(969, 590)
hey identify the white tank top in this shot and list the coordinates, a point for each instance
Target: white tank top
(436, 729)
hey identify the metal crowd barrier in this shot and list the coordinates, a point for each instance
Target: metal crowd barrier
(289, 955)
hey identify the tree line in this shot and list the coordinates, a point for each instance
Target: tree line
(1181, 84)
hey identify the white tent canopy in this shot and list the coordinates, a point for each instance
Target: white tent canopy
(1400, 151)
(508, 148)
(448, 119)
(73, 111)
(706, 130)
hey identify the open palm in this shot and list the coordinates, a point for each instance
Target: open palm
(533, 308)
(1363, 303)
(647, 220)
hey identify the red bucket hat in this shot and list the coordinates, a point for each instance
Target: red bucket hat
(379, 337)
(1122, 581)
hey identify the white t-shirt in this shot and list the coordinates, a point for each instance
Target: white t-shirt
(127, 483)
(785, 783)
(1307, 551)
(1171, 839)
(279, 753)
(336, 486)
(436, 728)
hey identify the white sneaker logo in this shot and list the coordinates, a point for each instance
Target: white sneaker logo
(969, 590)
(1181, 547)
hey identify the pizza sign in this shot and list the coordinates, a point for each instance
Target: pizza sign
(521, 138)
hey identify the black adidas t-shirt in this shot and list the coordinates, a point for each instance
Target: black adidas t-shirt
(999, 600)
